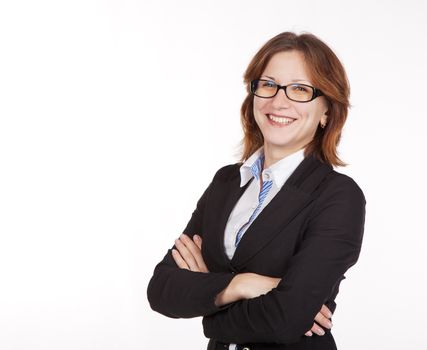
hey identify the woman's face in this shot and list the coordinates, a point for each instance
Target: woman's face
(281, 138)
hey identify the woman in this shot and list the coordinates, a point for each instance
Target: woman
(268, 244)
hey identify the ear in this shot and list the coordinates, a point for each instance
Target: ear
(325, 115)
(326, 107)
(323, 119)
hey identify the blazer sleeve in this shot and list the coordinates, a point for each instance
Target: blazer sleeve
(181, 293)
(331, 244)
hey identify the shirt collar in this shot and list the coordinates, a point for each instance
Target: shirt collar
(279, 171)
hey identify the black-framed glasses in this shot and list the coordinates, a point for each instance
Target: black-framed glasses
(296, 92)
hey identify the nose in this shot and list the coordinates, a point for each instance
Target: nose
(281, 100)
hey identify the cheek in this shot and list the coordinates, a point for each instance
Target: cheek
(309, 115)
(314, 113)
(260, 105)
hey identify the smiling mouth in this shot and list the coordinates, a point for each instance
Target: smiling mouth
(280, 120)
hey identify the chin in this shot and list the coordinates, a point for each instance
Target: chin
(278, 144)
(279, 140)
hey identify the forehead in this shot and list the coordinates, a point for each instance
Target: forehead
(287, 65)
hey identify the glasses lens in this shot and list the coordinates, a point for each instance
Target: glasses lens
(264, 88)
(299, 92)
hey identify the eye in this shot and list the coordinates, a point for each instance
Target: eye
(268, 84)
(300, 88)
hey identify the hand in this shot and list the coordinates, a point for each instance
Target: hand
(253, 285)
(323, 318)
(246, 285)
(189, 253)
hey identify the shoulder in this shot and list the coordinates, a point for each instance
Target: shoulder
(339, 208)
(338, 185)
(227, 172)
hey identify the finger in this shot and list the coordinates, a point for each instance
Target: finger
(309, 333)
(186, 255)
(325, 311)
(179, 260)
(317, 329)
(323, 321)
(195, 251)
(200, 261)
(198, 240)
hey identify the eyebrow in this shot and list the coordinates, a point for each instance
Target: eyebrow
(293, 80)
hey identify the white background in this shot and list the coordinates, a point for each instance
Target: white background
(115, 115)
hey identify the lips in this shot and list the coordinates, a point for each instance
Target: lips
(280, 120)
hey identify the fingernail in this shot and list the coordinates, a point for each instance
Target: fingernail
(196, 237)
(321, 332)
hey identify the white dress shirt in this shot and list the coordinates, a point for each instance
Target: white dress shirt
(278, 172)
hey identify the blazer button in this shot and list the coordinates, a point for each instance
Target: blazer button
(246, 348)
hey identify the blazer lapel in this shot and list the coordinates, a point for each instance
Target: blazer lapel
(287, 203)
(225, 198)
(294, 195)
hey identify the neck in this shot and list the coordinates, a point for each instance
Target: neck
(274, 154)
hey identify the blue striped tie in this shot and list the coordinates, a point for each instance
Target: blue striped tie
(256, 170)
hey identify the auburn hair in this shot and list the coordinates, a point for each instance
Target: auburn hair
(326, 73)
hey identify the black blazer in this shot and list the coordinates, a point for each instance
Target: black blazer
(309, 235)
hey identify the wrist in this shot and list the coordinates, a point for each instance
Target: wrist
(239, 286)
(231, 293)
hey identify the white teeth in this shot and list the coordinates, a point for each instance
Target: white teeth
(281, 120)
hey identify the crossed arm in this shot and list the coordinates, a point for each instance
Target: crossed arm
(243, 286)
(331, 244)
